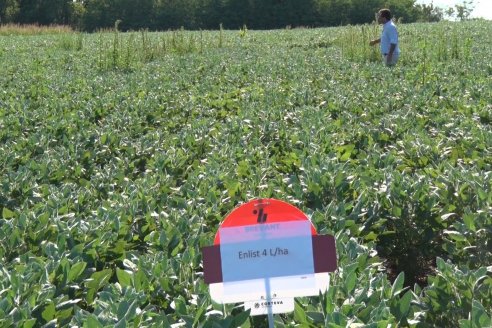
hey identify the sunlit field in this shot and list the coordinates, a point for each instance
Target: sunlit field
(120, 154)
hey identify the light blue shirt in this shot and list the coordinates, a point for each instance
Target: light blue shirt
(389, 36)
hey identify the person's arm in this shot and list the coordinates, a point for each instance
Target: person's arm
(375, 41)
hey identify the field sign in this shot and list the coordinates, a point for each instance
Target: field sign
(265, 253)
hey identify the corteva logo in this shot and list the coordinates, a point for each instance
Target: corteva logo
(262, 217)
(267, 304)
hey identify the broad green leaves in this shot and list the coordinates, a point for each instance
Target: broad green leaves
(124, 277)
(477, 318)
(459, 293)
(96, 282)
(7, 214)
(120, 158)
(75, 271)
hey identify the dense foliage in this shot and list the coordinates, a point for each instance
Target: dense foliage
(120, 153)
(91, 15)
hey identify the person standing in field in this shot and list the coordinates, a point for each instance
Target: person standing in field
(389, 38)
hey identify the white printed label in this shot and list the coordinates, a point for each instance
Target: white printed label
(266, 251)
(281, 287)
(274, 305)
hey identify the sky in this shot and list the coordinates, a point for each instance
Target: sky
(482, 8)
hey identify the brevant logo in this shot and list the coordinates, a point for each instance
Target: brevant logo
(262, 217)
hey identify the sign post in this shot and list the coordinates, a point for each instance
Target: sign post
(265, 253)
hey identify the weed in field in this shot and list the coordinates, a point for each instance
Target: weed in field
(32, 29)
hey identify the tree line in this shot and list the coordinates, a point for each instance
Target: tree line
(91, 15)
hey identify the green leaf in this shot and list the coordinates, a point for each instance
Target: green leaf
(316, 317)
(480, 317)
(227, 322)
(122, 309)
(49, 312)
(29, 323)
(344, 152)
(233, 186)
(328, 299)
(5, 304)
(370, 236)
(465, 323)
(180, 306)
(384, 137)
(455, 235)
(92, 322)
(120, 324)
(441, 265)
(67, 304)
(469, 221)
(137, 321)
(398, 284)
(383, 324)
(405, 302)
(336, 319)
(140, 280)
(350, 282)
(243, 169)
(199, 314)
(51, 324)
(98, 280)
(381, 312)
(241, 318)
(104, 138)
(64, 314)
(76, 270)
(7, 214)
(299, 313)
(124, 277)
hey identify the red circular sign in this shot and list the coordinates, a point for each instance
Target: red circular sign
(260, 211)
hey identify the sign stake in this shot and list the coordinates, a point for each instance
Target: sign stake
(270, 319)
(269, 299)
